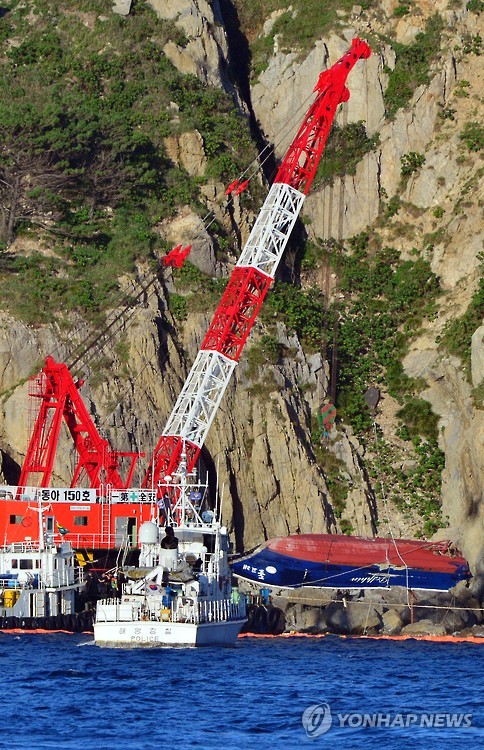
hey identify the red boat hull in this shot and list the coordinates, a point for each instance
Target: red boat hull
(339, 561)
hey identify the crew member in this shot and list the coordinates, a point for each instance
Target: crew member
(169, 541)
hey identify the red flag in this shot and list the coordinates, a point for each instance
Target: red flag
(240, 189)
(231, 187)
(177, 256)
(182, 256)
(169, 260)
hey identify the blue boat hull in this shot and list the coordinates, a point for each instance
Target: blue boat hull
(269, 568)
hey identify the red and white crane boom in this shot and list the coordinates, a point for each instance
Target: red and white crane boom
(204, 388)
(60, 400)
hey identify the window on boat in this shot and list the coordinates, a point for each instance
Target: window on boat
(16, 519)
(26, 564)
(49, 524)
(14, 563)
(80, 520)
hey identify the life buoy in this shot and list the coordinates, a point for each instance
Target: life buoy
(74, 623)
(273, 619)
(86, 620)
(66, 622)
(260, 620)
(251, 615)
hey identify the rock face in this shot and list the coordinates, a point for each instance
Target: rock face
(282, 93)
(189, 229)
(352, 618)
(206, 52)
(462, 436)
(261, 439)
(424, 627)
(477, 357)
(352, 203)
(187, 150)
(267, 461)
(380, 612)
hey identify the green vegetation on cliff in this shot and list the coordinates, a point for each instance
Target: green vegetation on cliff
(86, 101)
(412, 64)
(458, 333)
(296, 25)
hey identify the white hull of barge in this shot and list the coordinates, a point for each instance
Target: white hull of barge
(152, 634)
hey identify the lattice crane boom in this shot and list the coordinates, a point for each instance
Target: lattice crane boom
(204, 388)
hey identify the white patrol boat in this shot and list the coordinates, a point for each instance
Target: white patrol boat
(39, 584)
(181, 595)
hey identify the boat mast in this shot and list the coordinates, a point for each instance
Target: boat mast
(40, 511)
(204, 388)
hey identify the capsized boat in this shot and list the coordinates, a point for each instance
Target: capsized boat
(349, 562)
(39, 585)
(181, 594)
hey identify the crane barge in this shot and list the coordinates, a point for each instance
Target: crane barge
(107, 512)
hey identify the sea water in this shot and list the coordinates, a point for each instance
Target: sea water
(61, 692)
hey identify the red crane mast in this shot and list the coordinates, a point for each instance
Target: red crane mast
(60, 399)
(224, 341)
(249, 283)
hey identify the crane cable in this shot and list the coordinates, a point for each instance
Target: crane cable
(257, 164)
(374, 424)
(339, 239)
(98, 339)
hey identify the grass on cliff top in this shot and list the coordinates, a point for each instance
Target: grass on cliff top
(297, 28)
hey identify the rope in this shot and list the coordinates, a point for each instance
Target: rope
(83, 348)
(367, 618)
(387, 517)
(394, 604)
(382, 487)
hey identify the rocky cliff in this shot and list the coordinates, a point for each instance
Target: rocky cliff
(273, 479)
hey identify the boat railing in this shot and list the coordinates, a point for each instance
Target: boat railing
(23, 547)
(220, 610)
(203, 611)
(209, 610)
(80, 541)
(45, 580)
(62, 578)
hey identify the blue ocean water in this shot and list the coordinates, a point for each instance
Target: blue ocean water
(61, 692)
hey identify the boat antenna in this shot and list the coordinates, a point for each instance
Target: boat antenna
(217, 491)
(221, 504)
(182, 472)
(40, 511)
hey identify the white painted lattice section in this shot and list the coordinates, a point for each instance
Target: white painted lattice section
(202, 393)
(270, 233)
